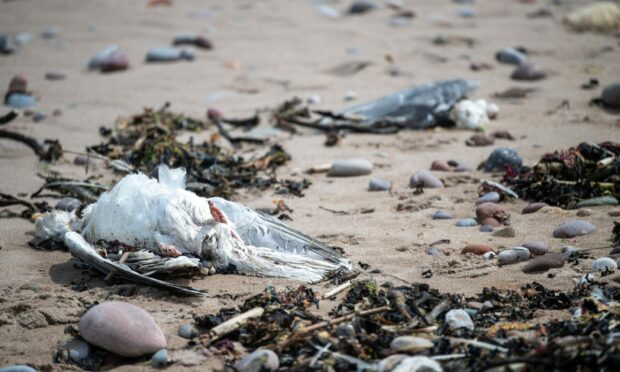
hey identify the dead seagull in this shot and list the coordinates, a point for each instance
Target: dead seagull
(159, 215)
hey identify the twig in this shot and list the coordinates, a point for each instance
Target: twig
(334, 211)
(344, 318)
(479, 344)
(336, 290)
(234, 323)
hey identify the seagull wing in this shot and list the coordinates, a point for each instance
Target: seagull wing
(262, 230)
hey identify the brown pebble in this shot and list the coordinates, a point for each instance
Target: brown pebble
(543, 263)
(492, 210)
(614, 213)
(477, 249)
(478, 140)
(491, 222)
(115, 62)
(442, 166)
(18, 84)
(527, 71)
(533, 207)
(584, 212)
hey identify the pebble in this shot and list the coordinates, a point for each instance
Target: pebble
(490, 222)
(533, 207)
(569, 251)
(466, 222)
(614, 213)
(441, 166)
(122, 328)
(388, 364)
(22, 38)
(572, 229)
(604, 263)
(479, 140)
(4, 45)
(490, 197)
(489, 255)
(487, 305)
(432, 251)
(459, 318)
(377, 184)
(314, 99)
(528, 72)
(17, 368)
(513, 255)
(506, 232)
(350, 95)
(195, 40)
(511, 56)
(50, 33)
(160, 359)
(114, 62)
(615, 250)
(55, 75)
(410, 344)
(350, 168)
(21, 100)
(68, 204)
(345, 331)
(79, 349)
(585, 212)
(475, 305)
(95, 62)
(537, 247)
(603, 16)
(417, 364)
(167, 54)
(486, 228)
(501, 158)
(611, 95)
(544, 263)
(491, 210)
(362, 6)
(477, 249)
(595, 202)
(441, 215)
(187, 331)
(425, 179)
(259, 361)
(80, 160)
(466, 13)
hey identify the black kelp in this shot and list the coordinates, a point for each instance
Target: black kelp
(564, 178)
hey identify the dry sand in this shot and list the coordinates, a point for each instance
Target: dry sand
(282, 49)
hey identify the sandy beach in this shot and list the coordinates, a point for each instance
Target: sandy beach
(266, 52)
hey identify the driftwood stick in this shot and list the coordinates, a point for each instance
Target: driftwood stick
(337, 290)
(234, 323)
(479, 344)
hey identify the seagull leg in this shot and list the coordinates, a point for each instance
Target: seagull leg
(220, 217)
(168, 250)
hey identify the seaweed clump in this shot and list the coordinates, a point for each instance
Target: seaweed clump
(564, 178)
(509, 328)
